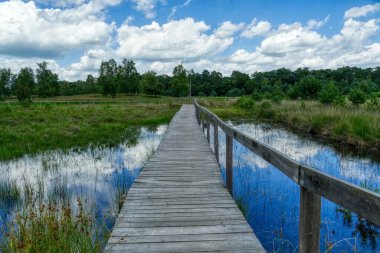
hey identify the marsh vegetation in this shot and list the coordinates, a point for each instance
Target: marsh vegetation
(68, 200)
(350, 128)
(49, 125)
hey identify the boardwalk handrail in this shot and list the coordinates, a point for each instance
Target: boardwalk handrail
(313, 183)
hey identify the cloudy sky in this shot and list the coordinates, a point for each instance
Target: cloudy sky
(74, 36)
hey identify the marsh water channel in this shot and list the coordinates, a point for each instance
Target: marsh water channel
(95, 175)
(270, 200)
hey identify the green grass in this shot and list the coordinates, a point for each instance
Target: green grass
(348, 126)
(50, 228)
(52, 125)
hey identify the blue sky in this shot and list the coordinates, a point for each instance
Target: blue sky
(74, 36)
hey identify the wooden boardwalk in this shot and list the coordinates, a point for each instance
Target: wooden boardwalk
(179, 202)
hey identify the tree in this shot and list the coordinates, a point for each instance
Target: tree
(357, 96)
(128, 77)
(328, 93)
(108, 77)
(24, 84)
(239, 79)
(178, 82)
(5, 82)
(47, 81)
(150, 84)
(91, 85)
(308, 87)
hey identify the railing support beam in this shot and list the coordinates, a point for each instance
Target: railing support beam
(208, 129)
(310, 221)
(229, 163)
(216, 141)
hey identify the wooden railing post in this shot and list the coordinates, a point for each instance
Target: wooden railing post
(216, 141)
(229, 162)
(310, 221)
(202, 122)
(196, 113)
(208, 128)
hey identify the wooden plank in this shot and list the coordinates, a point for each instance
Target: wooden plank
(183, 238)
(179, 202)
(178, 247)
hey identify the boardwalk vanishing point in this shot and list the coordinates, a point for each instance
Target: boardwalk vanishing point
(179, 202)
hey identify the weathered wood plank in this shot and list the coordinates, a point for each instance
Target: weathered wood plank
(179, 202)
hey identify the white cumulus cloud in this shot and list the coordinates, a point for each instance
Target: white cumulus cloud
(362, 11)
(256, 29)
(147, 7)
(227, 29)
(28, 31)
(175, 40)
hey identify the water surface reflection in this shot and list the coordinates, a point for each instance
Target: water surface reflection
(270, 200)
(93, 174)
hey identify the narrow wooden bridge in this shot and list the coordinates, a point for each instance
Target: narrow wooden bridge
(179, 202)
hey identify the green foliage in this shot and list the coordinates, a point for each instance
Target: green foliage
(340, 100)
(357, 96)
(213, 93)
(128, 77)
(108, 77)
(373, 101)
(178, 83)
(47, 81)
(277, 94)
(272, 85)
(265, 110)
(235, 92)
(5, 82)
(24, 84)
(246, 103)
(341, 125)
(46, 126)
(307, 87)
(48, 228)
(329, 93)
(256, 96)
(150, 84)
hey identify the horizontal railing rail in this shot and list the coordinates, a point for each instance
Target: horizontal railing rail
(313, 183)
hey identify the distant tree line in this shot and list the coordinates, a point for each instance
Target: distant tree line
(326, 85)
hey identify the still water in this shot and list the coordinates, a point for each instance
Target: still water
(270, 200)
(92, 174)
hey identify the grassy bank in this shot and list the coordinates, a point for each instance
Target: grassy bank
(345, 126)
(51, 125)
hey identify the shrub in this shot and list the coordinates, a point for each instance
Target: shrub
(265, 110)
(234, 93)
(256, 96)
(340, 100)
(246, 103)
(328, 93)
(213, 94)
(373, 101)
(357, 96)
